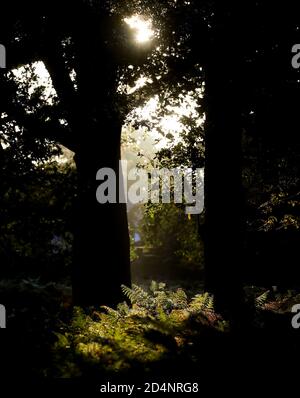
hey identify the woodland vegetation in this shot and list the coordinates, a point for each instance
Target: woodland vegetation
(98, 290)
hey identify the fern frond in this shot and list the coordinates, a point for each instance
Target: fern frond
(138, 296)
(111, 312)
(261, 300)
(127, 291)
(202, 302)
(179, 299)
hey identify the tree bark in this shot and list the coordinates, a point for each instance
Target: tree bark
(223, 184)
(102, 257)
(101, 248)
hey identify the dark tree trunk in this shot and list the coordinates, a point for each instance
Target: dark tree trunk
(102, 250)
(102, 261)
(223, 187)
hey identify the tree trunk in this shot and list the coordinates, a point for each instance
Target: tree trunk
(223, 187)
(102, 258)
(102, 248)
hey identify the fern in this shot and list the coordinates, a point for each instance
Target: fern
(179, 299)
(138, 296)
(154, 327)
(155, 286)
(123, 309)
(201, 303)
(163, 301)
(261, 300)
(114, 314)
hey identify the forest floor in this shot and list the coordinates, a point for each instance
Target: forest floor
(166, 332)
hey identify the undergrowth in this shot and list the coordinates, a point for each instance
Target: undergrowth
(156, 327)
(155, 331)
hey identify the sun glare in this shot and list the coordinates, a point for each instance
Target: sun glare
(171, 124)
(142, 27)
